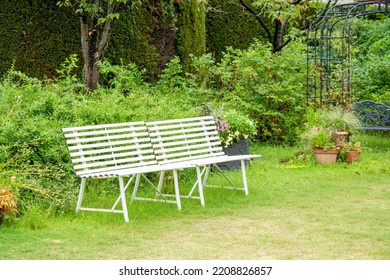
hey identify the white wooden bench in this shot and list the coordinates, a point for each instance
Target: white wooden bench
(122, 150)
(193, 142)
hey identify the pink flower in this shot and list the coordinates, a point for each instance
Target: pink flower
(223, 126)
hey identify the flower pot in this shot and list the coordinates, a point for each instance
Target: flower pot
(328, 156)
(237, 148)
(340, 138)
(352, 156)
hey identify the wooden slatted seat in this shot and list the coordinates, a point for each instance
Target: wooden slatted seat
(115, 150)
(193, 142)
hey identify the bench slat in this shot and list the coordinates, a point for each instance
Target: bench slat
(184, 147)
(188, 153)
(187, 136)
(111, 155)
(109, 144)
(106, 137)
(188, 159)
(180, 131)
(110, 150)
(185, 139)
(109, 147)
(113, 162)
(208, 125)
(82, 133)
(112, 125)
(210, 139)
(151, 124)
(113, 168)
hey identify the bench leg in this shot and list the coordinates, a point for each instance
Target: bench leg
(81, 194)
(160, 183)
(243, 173)
(200, 186)
(134, 194)
(177, 192)
(206, 175)
(232, 185)
(123, 199)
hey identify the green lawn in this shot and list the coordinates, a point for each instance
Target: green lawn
(295, 210)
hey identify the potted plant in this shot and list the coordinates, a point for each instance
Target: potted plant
(324, 148)
(322, 142)
(342, 123)
(234, 131)
(350, 152)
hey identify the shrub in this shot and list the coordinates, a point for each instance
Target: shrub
(268, 87)
(371, 60)
(32, 146)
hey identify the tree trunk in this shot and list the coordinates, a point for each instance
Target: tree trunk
(92, 72)
(278, 42)
(93, 50)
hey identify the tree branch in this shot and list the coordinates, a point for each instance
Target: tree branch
(260, 19)
(319, 15)
(105, 34)
(84, 38)
(282, 45)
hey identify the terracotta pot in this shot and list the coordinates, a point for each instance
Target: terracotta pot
(340, 138)
(328, 156)
(352, 156)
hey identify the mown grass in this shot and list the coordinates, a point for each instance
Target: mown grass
(296, 209)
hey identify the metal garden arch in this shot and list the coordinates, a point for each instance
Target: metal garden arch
(329, 40)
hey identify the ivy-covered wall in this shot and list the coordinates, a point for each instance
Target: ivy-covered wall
(229, 26)
(37, 35)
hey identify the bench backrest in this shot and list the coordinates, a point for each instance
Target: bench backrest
(372, 113)
(99, 149)
(183, 139)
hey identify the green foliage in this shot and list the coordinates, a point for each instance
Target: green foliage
(172, 76)
(233, 126)
(68, 77)
(36, 36)
(35, 217)
(228, 26)
(279, 9)
(32, 147)
(319, 137)
(123, 78)
(371, 60)
(335, 118)
(268, 87)
(43, 35)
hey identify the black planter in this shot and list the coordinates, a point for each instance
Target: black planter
(237, 148)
